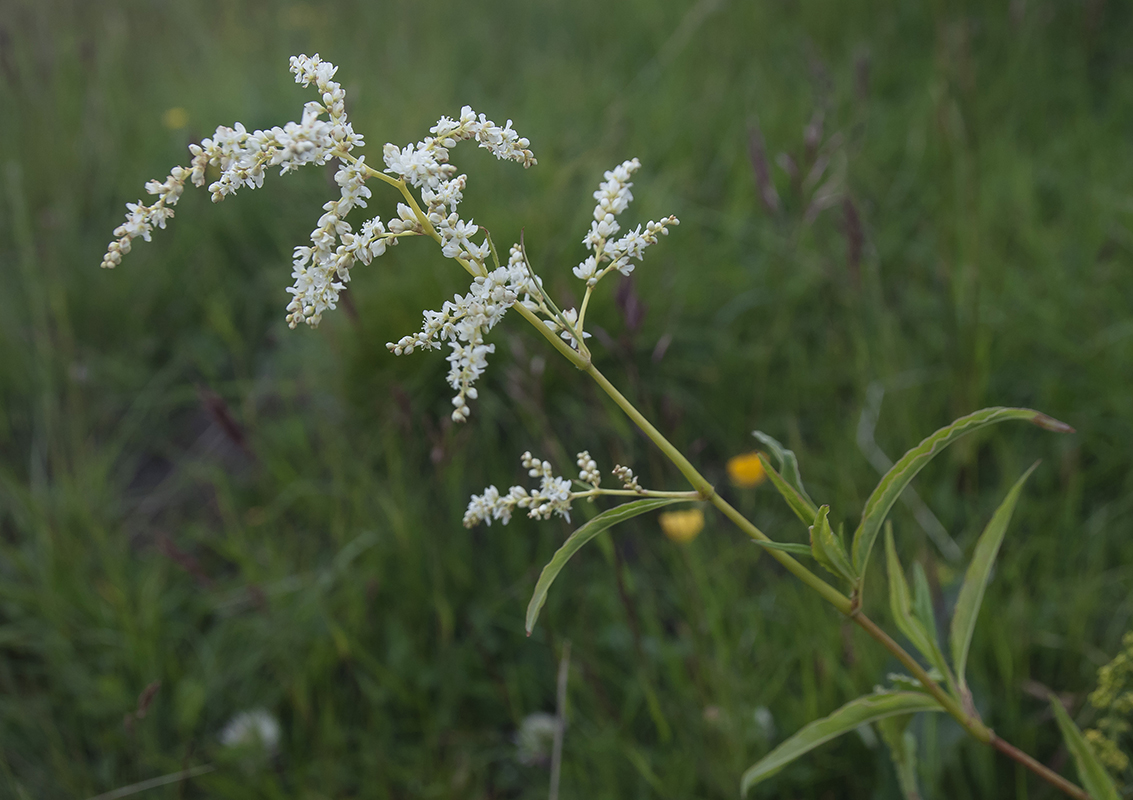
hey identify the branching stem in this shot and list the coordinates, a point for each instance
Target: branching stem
(844, 604)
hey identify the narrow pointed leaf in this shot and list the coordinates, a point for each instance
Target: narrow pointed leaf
(900, 599)
(786, 547)
(902, 746)
(922, 601)
(922, 636)
(979, 571)
(1091, 772)
(902, 473)
(857, 712)
(802, 506)
(827, 548)
(580, 537)
(788, 466)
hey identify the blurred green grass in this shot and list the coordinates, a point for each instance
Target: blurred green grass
(192, 494)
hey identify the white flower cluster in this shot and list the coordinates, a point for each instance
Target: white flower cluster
(552, 497)
(613, 198)
(425, 165)
(463, 322)
(242, 156)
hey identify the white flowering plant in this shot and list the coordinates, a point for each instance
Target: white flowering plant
(431, 190)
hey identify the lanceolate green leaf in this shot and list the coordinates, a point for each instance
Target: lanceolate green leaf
(903, 472)
(979, 571)
(1093, 775)
(909, 622)
(828, 549)
(857, 712)
(901, 601)
(788, 467)
(802, 506)
(786, 547)
(922, 601)
(580, 537)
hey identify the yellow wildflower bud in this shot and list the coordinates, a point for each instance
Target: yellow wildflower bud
(682, 526)
(746, 470)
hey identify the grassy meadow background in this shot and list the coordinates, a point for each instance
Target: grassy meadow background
(190, 493)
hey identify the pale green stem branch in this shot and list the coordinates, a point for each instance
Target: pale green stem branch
(635, 493)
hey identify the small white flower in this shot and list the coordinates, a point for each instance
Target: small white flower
(252, 728)
(535, 738)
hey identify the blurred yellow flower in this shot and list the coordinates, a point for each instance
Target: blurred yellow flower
(746, 470)
(682, 526)
(175, 118)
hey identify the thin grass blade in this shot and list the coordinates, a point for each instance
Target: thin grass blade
(1095, 779)
(902, 746)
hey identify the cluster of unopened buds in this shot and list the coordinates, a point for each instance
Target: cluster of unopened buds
(321, 269)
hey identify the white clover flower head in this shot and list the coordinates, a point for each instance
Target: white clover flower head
(535, 738)
(256, 727)
(553, 496)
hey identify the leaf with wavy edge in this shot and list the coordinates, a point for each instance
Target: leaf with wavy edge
(1093, 775)
(576, 540)
(870, 708)
(902, 473)
(979, 572)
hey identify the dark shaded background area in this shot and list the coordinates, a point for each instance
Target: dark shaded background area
(260, 518)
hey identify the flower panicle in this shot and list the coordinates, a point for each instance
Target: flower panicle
(613, 197)
(553, 496)
(242, 156)
(463, 323)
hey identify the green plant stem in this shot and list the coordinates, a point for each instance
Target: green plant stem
(844, 604)
(972, 725)
(635, 493)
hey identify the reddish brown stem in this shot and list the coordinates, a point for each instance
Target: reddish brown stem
(1043, 771)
